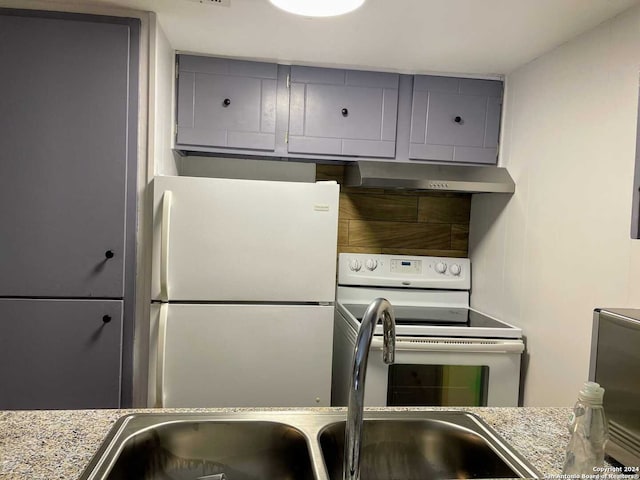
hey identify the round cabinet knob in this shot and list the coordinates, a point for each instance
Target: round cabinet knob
(371, 264)
(455, 269)
(226, 102)
(106, 318)
(355, 265)
(345, 112)
(441, 267)
(457, 119)
(109, 254)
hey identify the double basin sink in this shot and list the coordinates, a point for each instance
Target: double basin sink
(305, 445)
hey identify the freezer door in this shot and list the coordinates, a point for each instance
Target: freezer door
(240, 355)
(234, 240)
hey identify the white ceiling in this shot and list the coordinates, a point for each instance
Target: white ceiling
(483, 37)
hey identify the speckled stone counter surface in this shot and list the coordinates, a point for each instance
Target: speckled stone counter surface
(59, 444)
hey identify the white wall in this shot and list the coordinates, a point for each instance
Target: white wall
(162, 84)
(546, 257)
(159, 161)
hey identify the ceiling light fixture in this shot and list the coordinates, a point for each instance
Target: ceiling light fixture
(318, 8)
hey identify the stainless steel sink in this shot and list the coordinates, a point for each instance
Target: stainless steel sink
(303, 445)
(191, 449)
(416, 450)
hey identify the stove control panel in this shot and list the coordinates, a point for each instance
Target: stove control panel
(398, 265)
(404, 271)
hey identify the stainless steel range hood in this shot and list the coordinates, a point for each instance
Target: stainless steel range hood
(422, 176)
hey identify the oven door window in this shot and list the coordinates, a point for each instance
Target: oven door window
(437, 385)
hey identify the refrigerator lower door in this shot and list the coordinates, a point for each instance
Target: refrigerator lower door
(240, 355)
(218, 239)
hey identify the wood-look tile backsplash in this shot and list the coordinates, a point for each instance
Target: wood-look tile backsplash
(400, 222)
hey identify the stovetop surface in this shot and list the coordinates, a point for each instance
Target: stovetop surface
(458, 317)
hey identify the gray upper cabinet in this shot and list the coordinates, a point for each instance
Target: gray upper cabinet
(342, 112)
(63, 157)
(60, 353)
(226, 103)
(455, 119)
(237, 107)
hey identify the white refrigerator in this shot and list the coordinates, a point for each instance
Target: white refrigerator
(243, 292)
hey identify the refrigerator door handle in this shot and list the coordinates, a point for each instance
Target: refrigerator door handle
(162, 343)
(164, 245)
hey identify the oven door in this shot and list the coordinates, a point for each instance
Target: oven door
(445, 372)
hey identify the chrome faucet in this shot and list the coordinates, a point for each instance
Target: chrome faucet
(380, 308)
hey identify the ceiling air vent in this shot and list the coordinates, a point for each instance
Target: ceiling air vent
(222, 3)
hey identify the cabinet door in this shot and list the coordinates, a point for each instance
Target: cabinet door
(226, 103)
(455, 119)
(63, 156)
(60, 353)
(342, 112)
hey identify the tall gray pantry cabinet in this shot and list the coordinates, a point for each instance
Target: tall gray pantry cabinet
(68, 146)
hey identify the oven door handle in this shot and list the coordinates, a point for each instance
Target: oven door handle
(416, 344)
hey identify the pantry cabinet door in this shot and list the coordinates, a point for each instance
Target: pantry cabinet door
(226, 103)
(455, 119)
(342, 112)
(60, 354)
(64, 147)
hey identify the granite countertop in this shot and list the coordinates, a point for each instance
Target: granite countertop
(59, 444)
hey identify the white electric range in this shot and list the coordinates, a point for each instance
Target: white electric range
(447, 354)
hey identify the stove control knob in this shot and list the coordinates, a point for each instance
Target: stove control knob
(441, 267)
(355, 265)
(455, 269)
(371, 264)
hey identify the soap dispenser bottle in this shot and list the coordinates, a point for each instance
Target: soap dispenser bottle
(589, 432)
